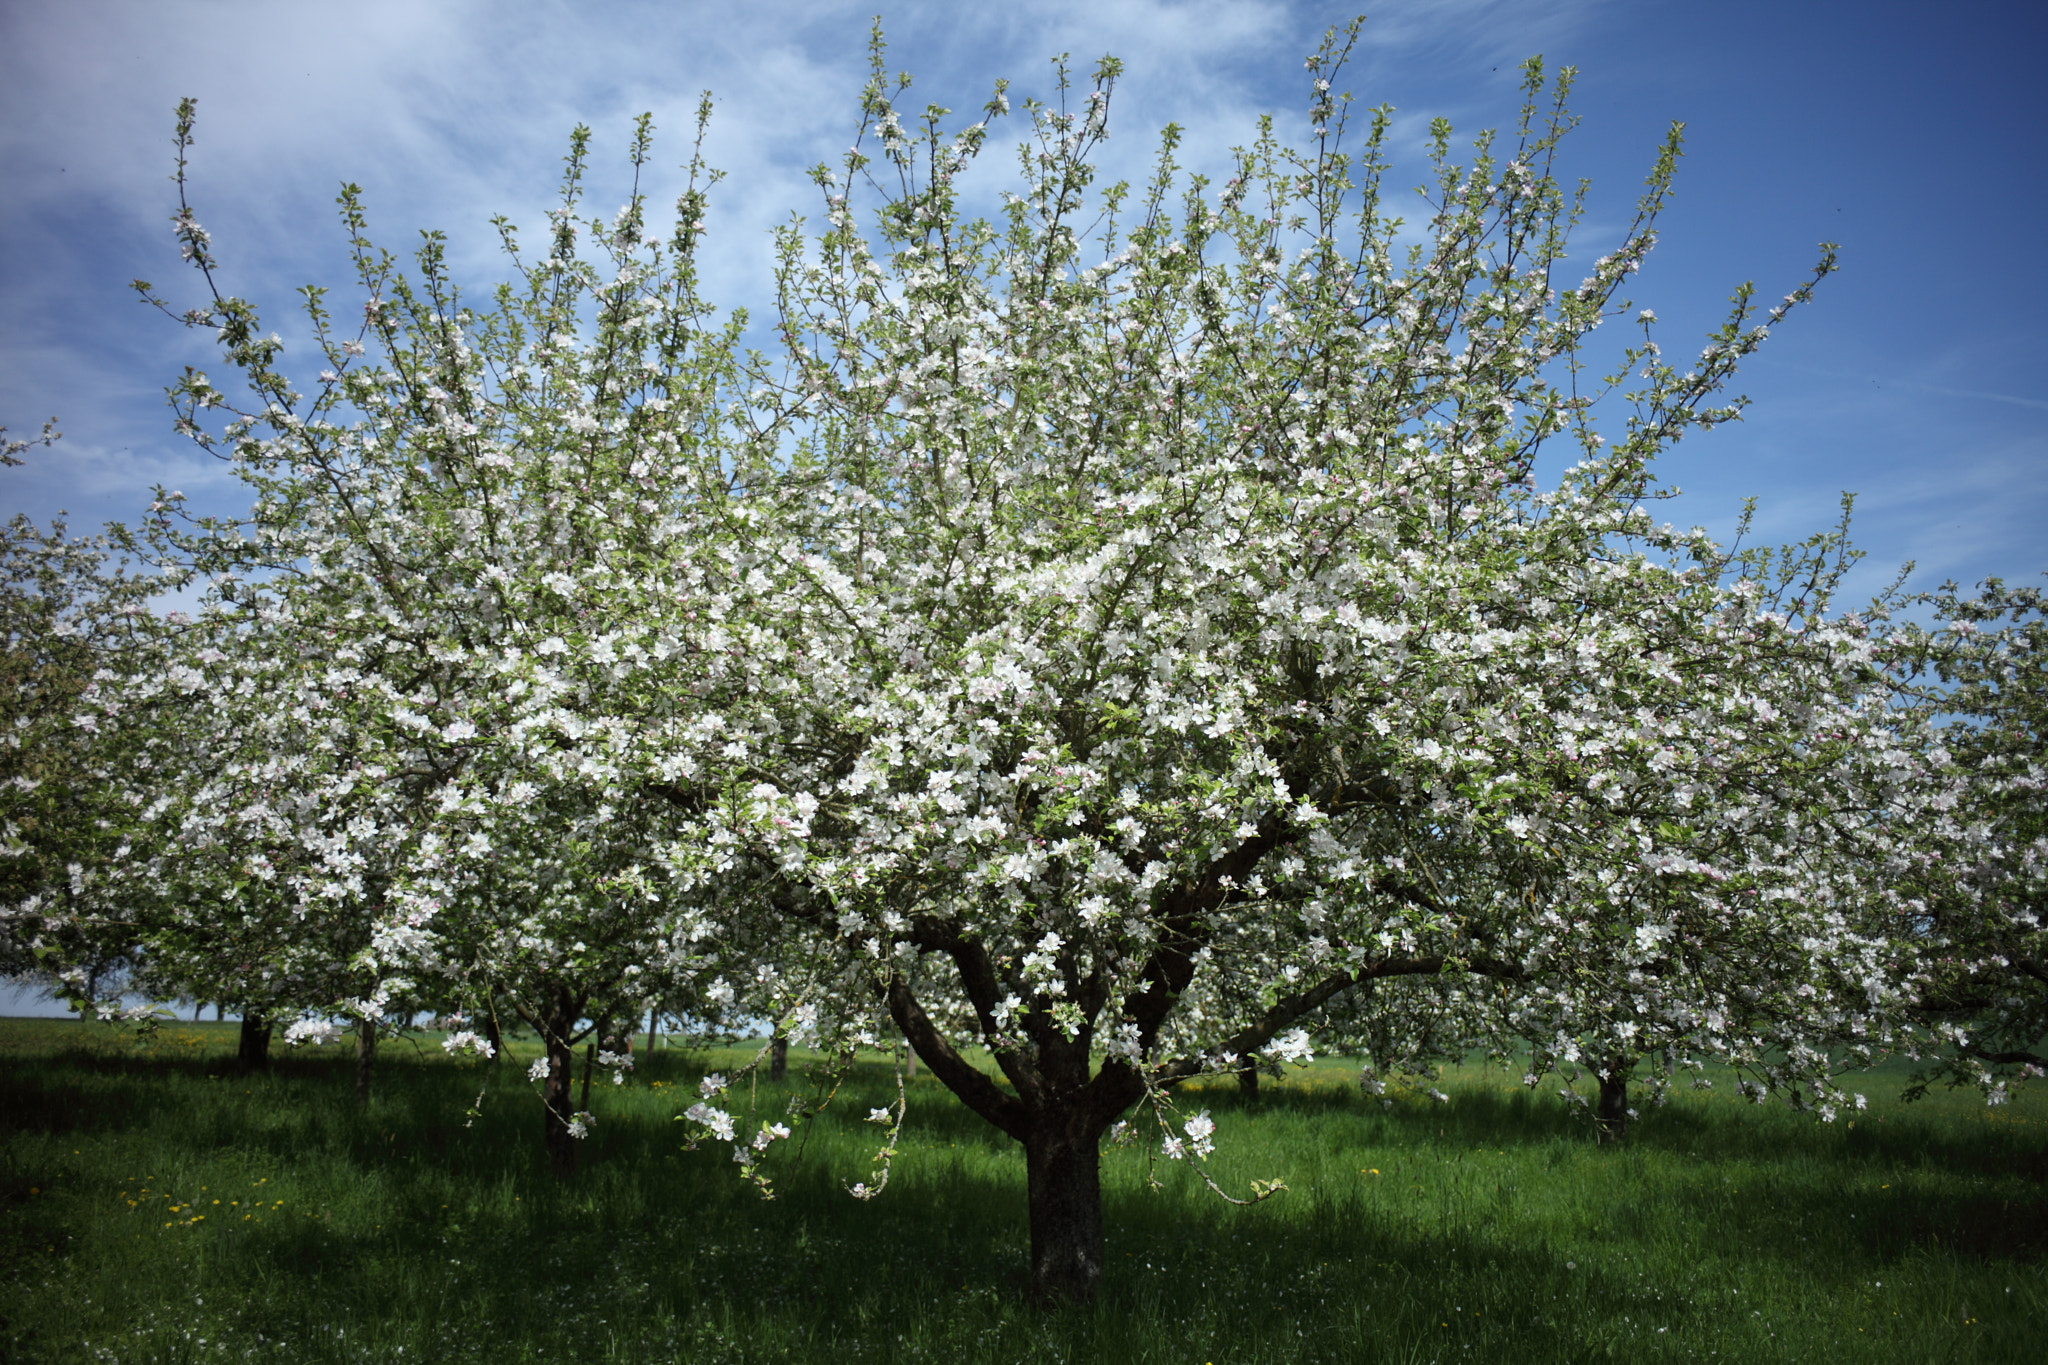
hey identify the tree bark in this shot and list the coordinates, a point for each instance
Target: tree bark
(1248, 1080)
(366, 1058)
(778, 1056)
(253, 1051)
(1063, 1173)
(493, 1034)
(1610, 1120)
(653, 1020)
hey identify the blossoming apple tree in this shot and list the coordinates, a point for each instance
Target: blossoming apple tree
(1119, 632)
(1186, 643)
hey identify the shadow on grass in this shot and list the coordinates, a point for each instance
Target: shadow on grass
(443, 1229)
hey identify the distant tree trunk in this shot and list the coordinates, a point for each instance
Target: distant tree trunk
(653, 1019)
(366, 1058)
(198, 1008)
(1248, 1080)
(1610, 1120)
(253, 1051)
(220, 1011)
(778, 1056)
(492, 1034)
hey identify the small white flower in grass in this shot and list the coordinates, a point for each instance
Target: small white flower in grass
(539, 1070)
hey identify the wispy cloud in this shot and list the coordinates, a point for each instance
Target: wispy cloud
(448, 112)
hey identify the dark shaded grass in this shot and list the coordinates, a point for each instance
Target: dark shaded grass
(1488, 1229)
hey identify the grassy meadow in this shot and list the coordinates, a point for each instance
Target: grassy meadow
(156, 1205)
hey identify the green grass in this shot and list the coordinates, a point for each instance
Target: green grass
(1488, 1229)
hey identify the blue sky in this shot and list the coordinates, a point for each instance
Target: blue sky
(1916, 136)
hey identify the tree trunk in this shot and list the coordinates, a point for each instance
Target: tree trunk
(1063, 1174)
(1611, 1118)
(493, 1034)
(366, 1058)
(253, 1052)
(1059, 1111)
(778, 1056)
(555, 1112)
(1248, 1080)
(653, 1019)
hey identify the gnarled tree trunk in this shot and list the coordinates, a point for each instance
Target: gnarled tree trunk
(556, 1110)
(1610, 1119)
(778, 1056)
(1059, 1114)
(492, 1033)
(253, 1051)
(366, 1058)
(1063, 1183)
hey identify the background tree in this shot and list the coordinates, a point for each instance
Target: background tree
(69, 608)
(430, 717)
(1978, 931)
